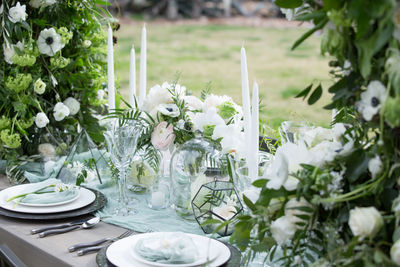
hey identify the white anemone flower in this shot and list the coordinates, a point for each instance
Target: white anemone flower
(371, 100)
(170, 110)
(49, 42)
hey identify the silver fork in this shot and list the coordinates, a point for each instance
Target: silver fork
(95, 245)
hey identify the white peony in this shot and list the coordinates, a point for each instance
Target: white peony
(157, 95)
(212, 101)
(282, 230)
(375, 166)
(49, 42)
(365, 222)
(41, 3)
(210, 118)
(170, 110)
(39, 87)
(73, 105)
(232, 141)
(41, 120)
(324, 152)
(192, 102)
(60, 111)
(395, 252)
(371, 100)
(17, 13)
(315, 135)
(47, 151)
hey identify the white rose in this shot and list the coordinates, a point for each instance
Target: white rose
(60, 111)
(47, 150)
(41, 120)
(39, 86)
(395, 252)
(375, 166)
(365, 222)
(292, 211)
(282, 230)
(73, 105)
(17, 13)
(192, 102)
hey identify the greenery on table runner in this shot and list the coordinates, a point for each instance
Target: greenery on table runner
(52, 75)
(334, 200)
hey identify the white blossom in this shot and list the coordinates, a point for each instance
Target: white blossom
(41, 3)
(192, 102)
(47, 151)
(41, 120)
(371, 100)
(375, 166)
(395, 252)
(39, 87)
(60, 111)
(210, 118)
(17, 13)
(73, 105)
(170, 110)
(282, 230)
(49, 42)
(365, 222)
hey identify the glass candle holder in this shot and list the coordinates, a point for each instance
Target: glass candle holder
(158, 195)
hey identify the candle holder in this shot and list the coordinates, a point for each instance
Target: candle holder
(157, 195)
(218, 201)
(84, 163)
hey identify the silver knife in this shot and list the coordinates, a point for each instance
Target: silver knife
(57, 226)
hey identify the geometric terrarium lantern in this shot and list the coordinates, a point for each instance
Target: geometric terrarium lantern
(216, 202)
(84, 163)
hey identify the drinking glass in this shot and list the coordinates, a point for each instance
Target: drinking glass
(121, 141)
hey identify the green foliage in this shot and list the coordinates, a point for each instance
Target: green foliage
(74, 71)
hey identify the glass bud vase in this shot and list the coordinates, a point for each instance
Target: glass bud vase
(189, 171)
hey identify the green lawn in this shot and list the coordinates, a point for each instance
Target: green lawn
(211, 53)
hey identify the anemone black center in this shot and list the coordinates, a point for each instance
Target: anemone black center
(49, 40)
(169, 109)
(374, 101)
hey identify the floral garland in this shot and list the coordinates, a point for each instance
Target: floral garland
(52, 74)
(330, 197)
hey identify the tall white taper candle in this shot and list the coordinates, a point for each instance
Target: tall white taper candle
(132, 78)
(143, 70)
(245, 101)
(110, 70)
(253, 166)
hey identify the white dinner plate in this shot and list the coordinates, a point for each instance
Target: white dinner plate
(122, 253)
(48, 204)
(85, 197)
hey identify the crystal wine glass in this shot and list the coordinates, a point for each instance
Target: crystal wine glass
(121, 141)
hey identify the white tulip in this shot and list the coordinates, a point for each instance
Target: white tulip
(282, 230)
(41, 120)
(73, 105)
(365, 222)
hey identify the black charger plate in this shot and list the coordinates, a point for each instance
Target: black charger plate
(234, 261)
(97, 204)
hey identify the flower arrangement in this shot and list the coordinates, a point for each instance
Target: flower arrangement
(52, 74)
(331, 196)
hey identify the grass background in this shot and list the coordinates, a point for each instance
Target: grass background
(211, 53)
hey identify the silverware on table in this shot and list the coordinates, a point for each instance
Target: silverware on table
(96, 245)
(57, 226)
(86, 225)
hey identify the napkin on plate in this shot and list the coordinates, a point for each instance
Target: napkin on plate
(174, 248)
(47, 195)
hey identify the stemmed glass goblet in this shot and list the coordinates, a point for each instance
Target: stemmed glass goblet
(122, 141)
